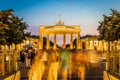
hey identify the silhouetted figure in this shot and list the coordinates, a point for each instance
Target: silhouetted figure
(28, 56)
(32, 56)
(22, 58)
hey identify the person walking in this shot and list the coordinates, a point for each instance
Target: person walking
(32, 56)
(28, 56)
(64, 63)
(37, 68)
(54, 66)
(22, 58)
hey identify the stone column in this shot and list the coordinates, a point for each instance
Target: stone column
(103, 45)
(9, 59)
(64, 41)
(92, 44)
(48, 42)
(87, 44)
(71, 41)
(114, 62)
(54, 41)
(78, 41)
(3, 63)
(41, 42)
(119, 64)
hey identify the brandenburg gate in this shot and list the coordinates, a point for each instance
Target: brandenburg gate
(59, 29)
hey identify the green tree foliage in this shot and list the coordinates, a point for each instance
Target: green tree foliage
(12, 28)
(109, 28)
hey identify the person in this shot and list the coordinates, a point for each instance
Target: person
(44, 57)
(28, 56)
(54, 65)
(37, 68)
(81, 65)
(32, 56)
(64, 63)
(22, 58)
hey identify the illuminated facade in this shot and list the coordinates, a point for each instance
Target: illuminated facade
(59, 29)
(93, 43)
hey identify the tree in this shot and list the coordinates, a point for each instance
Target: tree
(4, 26)
(12, 28)
(109, 29)
(2, 33)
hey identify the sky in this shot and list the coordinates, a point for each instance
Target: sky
(85, 13)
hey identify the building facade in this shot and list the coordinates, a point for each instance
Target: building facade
(93, 43)
(59, 29)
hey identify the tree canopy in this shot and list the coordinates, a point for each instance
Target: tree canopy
(12, 28)
(109, 28)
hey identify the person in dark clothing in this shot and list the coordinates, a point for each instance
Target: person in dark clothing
(22, 58)
(32, 56)
(28, 58)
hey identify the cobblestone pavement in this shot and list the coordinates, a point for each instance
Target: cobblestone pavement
(24, 72)
(95, 73)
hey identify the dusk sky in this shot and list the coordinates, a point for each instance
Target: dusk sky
(85, 13)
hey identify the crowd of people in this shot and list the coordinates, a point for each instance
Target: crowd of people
(26, 56)
(52, 62)
(49, 61)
